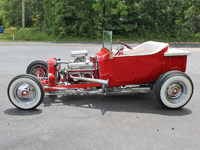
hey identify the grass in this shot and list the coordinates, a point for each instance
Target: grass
(20, 36)
(30, 35)
(6, 36)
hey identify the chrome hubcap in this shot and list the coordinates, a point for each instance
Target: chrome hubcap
(25, 92)
(176, 92)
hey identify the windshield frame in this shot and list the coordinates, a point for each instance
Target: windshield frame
(107, 41)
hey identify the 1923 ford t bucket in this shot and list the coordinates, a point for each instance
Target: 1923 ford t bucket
(151, 64)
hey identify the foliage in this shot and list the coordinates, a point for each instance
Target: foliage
(193, 19)
(149, 19)
(11, 11)
(31, 35)
(64, 18)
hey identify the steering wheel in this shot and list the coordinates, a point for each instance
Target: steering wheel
(119, 49)
(122, 43)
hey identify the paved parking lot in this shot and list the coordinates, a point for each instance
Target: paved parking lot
(117, 121)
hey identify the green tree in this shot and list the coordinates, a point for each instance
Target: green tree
(75, 17)
(192, 16)
(12, 12)
(88, 18)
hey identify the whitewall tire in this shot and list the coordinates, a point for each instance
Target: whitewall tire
(173, 89)
(25, 91)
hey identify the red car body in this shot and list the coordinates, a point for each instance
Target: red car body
(153, 64)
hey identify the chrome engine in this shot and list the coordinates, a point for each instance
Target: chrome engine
(80, 63)
(80, 55)
(80, 66)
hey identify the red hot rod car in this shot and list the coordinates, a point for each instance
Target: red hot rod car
(151, 64)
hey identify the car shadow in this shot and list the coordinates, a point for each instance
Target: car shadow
(135, 102)
(20, 112)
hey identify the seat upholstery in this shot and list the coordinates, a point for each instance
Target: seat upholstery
(146, 48)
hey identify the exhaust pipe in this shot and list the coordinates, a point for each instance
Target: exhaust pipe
(104, 82)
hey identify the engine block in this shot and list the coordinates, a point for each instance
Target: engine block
(80, 66)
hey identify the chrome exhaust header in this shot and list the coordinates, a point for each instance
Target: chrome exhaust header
(104, 82)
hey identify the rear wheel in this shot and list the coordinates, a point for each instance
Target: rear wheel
(25, 91)
(38, 67)
(173, 89)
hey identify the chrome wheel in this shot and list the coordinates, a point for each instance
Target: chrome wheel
(176, 92)
(25, 92)
(173, 89)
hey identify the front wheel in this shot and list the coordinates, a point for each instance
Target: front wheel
(25, 91)
(173, 89)
(38, 67)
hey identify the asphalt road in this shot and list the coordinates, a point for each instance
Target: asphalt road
(120, 121)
